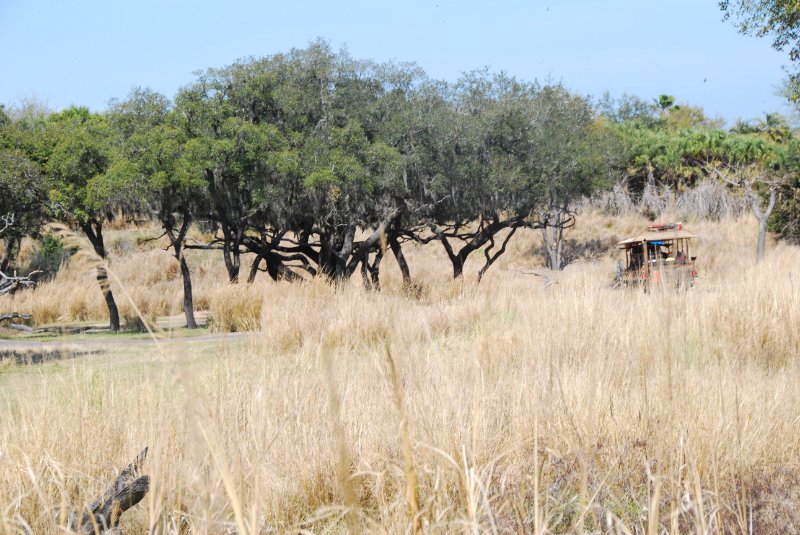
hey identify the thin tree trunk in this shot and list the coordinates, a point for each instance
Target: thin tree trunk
(478, 240)
(94, 232)
(762, 216)
(188, 301)
(456, 259)
(365, 273)
(105, 287)
(9, 245)
(553, 237)
(375, 270)
(370, 273)
(491, 258)
(549, 247)
(560, 244)
(230, 251)
(761, 244)
(177, 242)
(397, 250)
(254, 269)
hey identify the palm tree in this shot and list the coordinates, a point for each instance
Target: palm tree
(743, 127)
(774, 127)
(665, 102)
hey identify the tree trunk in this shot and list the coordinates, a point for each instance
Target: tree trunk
(553, 237)
(336, 246)
(761, 246)
(490, 258)
(342, 255)
(9, 245)
(371, 273)
(230, 250)
(476, 241)
(762, 216)
(456, 259)
(375, 270)
(94, 232)
(188, 304)
(401, 259)
(254, 269)
(548, 247)
(105, 287)
(177, 242)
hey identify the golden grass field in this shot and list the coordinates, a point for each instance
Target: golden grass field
(512, 406)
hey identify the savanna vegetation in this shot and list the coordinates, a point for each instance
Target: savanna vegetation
(346, 215)
(520, 404)
(320, 165)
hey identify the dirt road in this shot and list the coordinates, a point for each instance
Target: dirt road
(89, 344)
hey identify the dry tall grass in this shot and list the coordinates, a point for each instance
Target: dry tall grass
(506, 407)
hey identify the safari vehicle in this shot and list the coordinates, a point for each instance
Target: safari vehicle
(660, 256)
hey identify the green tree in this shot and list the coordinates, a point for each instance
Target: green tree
(287, 144)
(684, 116)
(665, 102)
(231, 154)
(151, 173)
(462, 176)
(565, 157)
(758, 166)
(628, 109)
(23, 187)
(76, 149)
(504, 155)
(22, 199)
(304, 152)
(774, 127)
(787, 211)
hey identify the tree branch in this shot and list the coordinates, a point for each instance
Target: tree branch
(7, 222)
(9, 284)
(491, 258)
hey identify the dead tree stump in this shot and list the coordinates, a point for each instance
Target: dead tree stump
(102, 516)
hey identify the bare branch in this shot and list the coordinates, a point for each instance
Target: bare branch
(9, 284)
(7, 221)
(156, 238)
(490, 258)
(747, 178)
(215, 245)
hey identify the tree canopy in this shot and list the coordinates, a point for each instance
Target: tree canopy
(320, 164)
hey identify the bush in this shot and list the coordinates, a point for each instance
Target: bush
(236, 308)
(48, 256)
(133, 322)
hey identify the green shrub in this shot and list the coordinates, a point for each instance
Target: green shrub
(48, 256)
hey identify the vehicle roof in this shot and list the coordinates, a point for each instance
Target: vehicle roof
(657, 236)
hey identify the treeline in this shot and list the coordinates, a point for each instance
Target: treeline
(321, 164)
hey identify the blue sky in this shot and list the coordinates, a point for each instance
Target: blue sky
(88, 51)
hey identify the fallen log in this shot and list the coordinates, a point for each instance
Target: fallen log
(14, 315)
(10, 283)
(21, 327)
(17, 326)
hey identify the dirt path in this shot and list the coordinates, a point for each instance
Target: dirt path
(88, 344)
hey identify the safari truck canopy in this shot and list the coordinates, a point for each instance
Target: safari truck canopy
(661, 254)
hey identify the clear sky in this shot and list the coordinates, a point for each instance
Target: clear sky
(86, 52)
